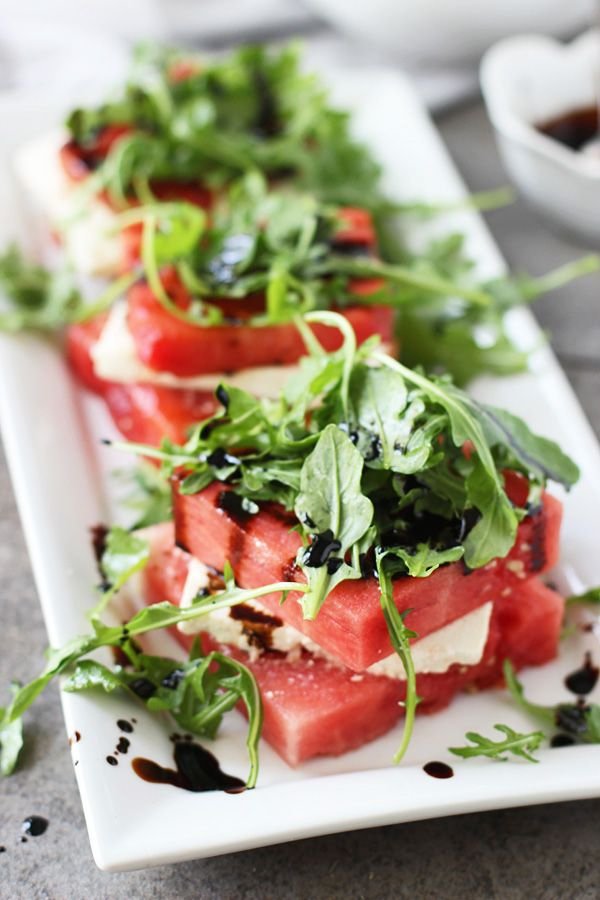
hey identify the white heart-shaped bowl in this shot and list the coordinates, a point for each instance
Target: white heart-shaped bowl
(526, 81)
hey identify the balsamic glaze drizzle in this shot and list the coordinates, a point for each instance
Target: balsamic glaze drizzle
(196, 770)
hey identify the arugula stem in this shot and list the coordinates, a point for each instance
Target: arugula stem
(107, 298)
(400, 637)
(405, 276)
(480, 200)
(563, 275)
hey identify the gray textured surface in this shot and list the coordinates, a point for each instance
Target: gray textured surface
(544, 852)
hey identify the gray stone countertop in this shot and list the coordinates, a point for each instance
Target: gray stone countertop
(541, 852)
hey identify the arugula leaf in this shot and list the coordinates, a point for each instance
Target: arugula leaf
(521, 745)
(494, 534)
(591, 596)
(581, 722)
(150, 497)
(124, 555)
(540, 456)
(400, 637)
(424, 559)
(11, 740)
(330, 502)
(42, 300)
(196, 693)
(233, 678)
(392, 427)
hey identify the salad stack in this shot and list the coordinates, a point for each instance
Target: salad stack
(337, 538)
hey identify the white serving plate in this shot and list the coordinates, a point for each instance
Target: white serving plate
(51, 432)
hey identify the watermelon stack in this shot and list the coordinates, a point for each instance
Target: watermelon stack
(326, 703)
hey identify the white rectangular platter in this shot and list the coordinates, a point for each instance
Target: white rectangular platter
(51, 432)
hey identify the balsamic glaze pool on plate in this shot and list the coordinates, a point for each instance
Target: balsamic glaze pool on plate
(438, 769)
(196, 770)
(583, 680)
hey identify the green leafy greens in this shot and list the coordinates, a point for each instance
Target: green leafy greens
(253, 110)
(196, 693)
(370, 457)
(209, 687)
(580, 721)
(520, 745)
(40, 300)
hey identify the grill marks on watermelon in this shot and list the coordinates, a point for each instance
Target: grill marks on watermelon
(350, 625)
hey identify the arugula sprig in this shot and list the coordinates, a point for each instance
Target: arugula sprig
(11, 739)
(513, 742)
(590, 597)
(369, 453)
(253, 110)
(196, 693)
(211, 693)
(581, 721)
(36, 298)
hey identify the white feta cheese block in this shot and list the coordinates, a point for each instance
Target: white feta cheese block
(86, 226)
(462, 642)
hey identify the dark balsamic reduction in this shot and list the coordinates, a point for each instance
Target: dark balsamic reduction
(562, 740)
(583, 680)
(99, 533)
(256, 625)
(172, 681)
(234, 250)
(290, 570)
(2, 849)
(320, 549)
(125, 726)
(219, 458)
(122, 745)
(196, 770)
(572, 718)
(34, 826)
(438, 769)
(210, 426)
(573, 129)
(143, 687)
(120, 657)
(112, 760)
(233, 506)
(222, 396)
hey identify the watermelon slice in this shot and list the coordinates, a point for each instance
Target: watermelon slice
(166, 343)
(314, 707)
(350, 626)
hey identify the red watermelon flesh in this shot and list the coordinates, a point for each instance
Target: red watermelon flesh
(350, 625)
(314, 708)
